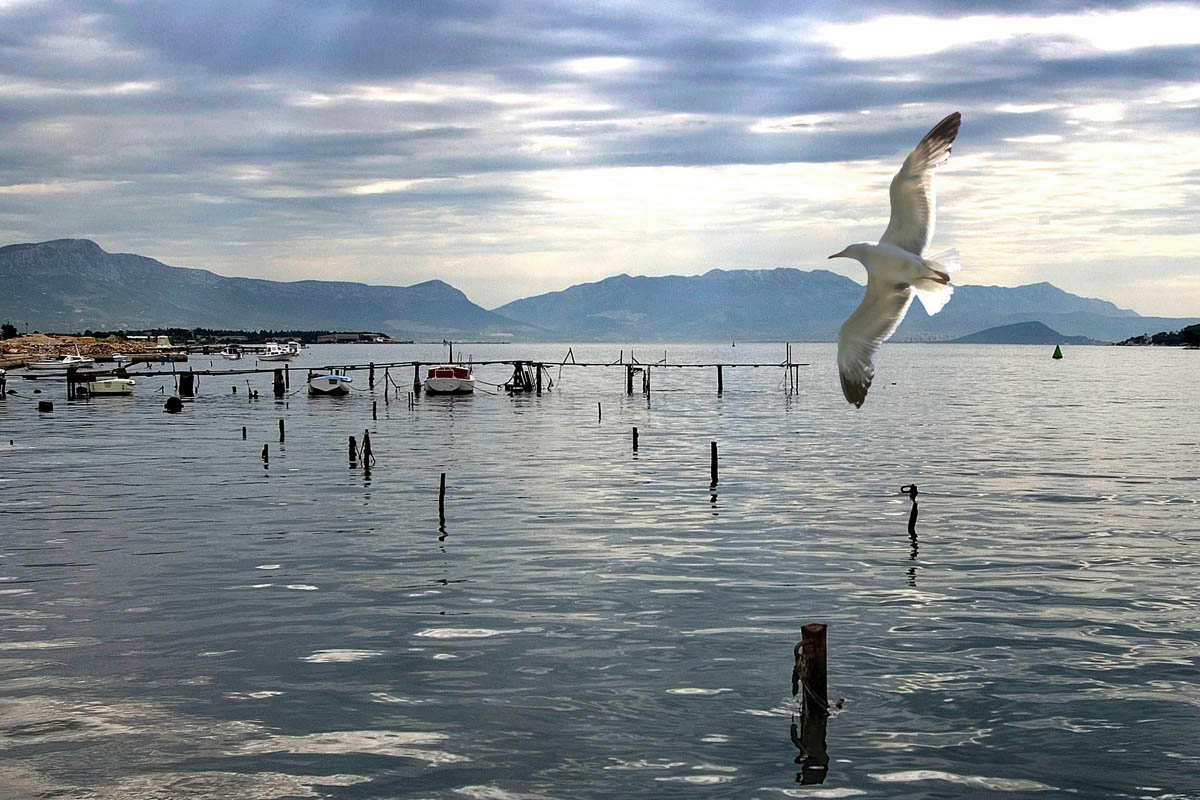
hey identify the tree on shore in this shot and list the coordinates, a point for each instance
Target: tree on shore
(8, 331)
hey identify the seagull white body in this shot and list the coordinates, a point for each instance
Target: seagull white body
(897, 268)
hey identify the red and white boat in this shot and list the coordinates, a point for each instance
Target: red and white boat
(449, 379)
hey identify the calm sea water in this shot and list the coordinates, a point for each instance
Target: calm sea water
(182, 621)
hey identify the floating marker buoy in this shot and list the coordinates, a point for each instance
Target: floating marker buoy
(1057, 352)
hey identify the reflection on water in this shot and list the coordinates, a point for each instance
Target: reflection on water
(184, 618)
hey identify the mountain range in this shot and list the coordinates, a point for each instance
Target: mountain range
(72, 284)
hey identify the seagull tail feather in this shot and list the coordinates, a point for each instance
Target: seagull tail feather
(933, 293)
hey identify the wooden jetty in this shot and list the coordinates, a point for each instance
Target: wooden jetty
(528, 375)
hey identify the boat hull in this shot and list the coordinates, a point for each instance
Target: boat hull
(329, 384)
(110, 387)
(449, 385)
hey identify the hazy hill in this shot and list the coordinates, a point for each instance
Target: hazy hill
(783, 304)
(72, 284)
(1021, 333)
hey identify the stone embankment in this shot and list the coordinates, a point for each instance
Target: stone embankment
(20, 350)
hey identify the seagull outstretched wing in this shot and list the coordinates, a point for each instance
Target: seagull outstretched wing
(913, 198)
(876, 318)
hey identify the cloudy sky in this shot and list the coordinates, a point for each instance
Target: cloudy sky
(516, 147)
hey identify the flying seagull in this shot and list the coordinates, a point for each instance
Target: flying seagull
(897, 267)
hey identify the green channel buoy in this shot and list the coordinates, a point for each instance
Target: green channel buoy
(1057, 352)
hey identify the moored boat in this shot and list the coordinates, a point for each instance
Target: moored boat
(274, 351)
(110, 386)
(231, 353)
(331, 382)
(59, 366)
(449, 379)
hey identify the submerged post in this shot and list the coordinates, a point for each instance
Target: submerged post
(712, 466)
(635, 438)
(352, 451)
(720, 380)
(265, 454)
(281, 431)
(371, 375)
(599, 413)
(374, 409)
(243, 432)
(417, 377)
(367, 457)
(187, 384)
(628, 379)
(538, 367)
(277, 384)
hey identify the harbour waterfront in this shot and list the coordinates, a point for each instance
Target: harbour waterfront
(184, 620)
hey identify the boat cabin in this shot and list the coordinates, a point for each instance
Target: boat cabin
(444, 371)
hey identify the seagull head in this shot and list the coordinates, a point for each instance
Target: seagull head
(855, 251)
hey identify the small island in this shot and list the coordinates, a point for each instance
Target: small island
(1021, 333)
(1185, 337)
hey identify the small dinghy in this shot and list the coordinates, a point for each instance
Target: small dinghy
(108, 386)
(332, 382)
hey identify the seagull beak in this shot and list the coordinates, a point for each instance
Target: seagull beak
(838, 255)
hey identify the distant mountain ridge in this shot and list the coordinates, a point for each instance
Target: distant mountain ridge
(790, 304)
(73, 284)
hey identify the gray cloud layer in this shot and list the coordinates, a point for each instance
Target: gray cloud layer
(280, 138)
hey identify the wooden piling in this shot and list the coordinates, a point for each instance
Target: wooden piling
(712, 466)
(287, 377)
(628, 379)
(281, 431)
(243, 432)
(234, 388)
(720, 380)
(374, 409)
(265, 455)
(417, 377)
(635, 438)
(278, 384)
(187, 384)
(45, 406)
(812, 676)
(538, 367)
(371, 375)
(442, 500)
(387, 384)
(599, 413)
(367, 456)
(353, 451)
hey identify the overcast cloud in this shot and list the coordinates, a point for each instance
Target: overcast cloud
(511, 148)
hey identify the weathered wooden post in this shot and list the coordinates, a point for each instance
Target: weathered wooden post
(265, 455)
(234, 388)
(281, 431)
(387, 383)
(187, 384)
(287, 377)
(374, 409)
(367, 456)
(417, 377)
(45, 406)
(442, 501)
(353, 452)
(720, 380)
(628, 379)
(809, 680)
(538, 367)
(635, 438)
(243, 432)
(371, 375)
(278, 383)
(812, 674)
(712, 466)
(599, 413)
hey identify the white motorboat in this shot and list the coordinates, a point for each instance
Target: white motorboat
(293, 347)
(332, 382)
(231, 353)
(449, 379)
(274, 351)
(59, 366)
(109, 386)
